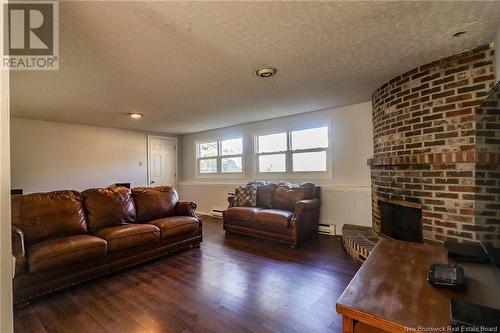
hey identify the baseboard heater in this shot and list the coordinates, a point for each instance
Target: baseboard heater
(326, 229)
(217, 213)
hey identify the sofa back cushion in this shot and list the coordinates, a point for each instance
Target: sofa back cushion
(265, 193)
(153, 203)
(108, 207)
(287, 195)
(49, 215)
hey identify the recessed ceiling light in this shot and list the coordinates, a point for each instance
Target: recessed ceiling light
(135, 115)
(266, 72)
(459, 34)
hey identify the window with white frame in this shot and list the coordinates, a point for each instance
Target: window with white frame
(220, 157)
(302, 150)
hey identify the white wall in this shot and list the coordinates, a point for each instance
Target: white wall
(49, 156)
(5, 245)
(346, 196)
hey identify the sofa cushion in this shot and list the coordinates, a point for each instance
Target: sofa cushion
(273, 218)
(130, 235)
(108, 207)
(265, 195)
(49, 215)
(265, 192)
(176, 225)
(287, 195)
(240, 213)
(65, 251)
(152, 203)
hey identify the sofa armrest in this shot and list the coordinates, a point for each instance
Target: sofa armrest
(185, 208)
(18, 249)
(305, 219)
(306, 205)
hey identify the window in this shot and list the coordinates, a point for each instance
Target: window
(293, 151)
(309, 149)
(224, 156)
(271, 151)
(207, 157)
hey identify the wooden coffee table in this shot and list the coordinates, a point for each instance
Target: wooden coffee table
(390, 291)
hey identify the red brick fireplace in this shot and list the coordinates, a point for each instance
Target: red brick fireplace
(428, 149)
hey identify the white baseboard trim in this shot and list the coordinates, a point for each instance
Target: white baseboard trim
(336, 227)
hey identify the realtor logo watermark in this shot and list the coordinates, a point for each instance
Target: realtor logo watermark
(31, 35)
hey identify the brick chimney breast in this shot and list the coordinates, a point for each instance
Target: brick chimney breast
(429, 141)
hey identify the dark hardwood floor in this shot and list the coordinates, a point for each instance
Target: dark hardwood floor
(229, 284)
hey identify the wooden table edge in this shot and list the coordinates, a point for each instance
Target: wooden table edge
(371, 320)
(358, 315)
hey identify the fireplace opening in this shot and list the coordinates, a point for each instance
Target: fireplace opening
(401, 221)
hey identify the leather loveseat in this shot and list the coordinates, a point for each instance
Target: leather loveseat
(284, 212)
(64, 237)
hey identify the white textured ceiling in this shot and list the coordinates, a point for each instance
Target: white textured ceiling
(189, 66)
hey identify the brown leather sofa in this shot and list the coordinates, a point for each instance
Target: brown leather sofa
(284, 212)
(65, 237)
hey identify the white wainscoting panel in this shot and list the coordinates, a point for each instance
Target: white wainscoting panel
(207, 196)
(346, 205)
(339, 204)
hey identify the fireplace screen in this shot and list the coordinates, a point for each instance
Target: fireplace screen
(401, 222)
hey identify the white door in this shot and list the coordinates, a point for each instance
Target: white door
(162, 161)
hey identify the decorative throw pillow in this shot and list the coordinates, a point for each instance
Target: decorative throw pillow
(245, 196)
